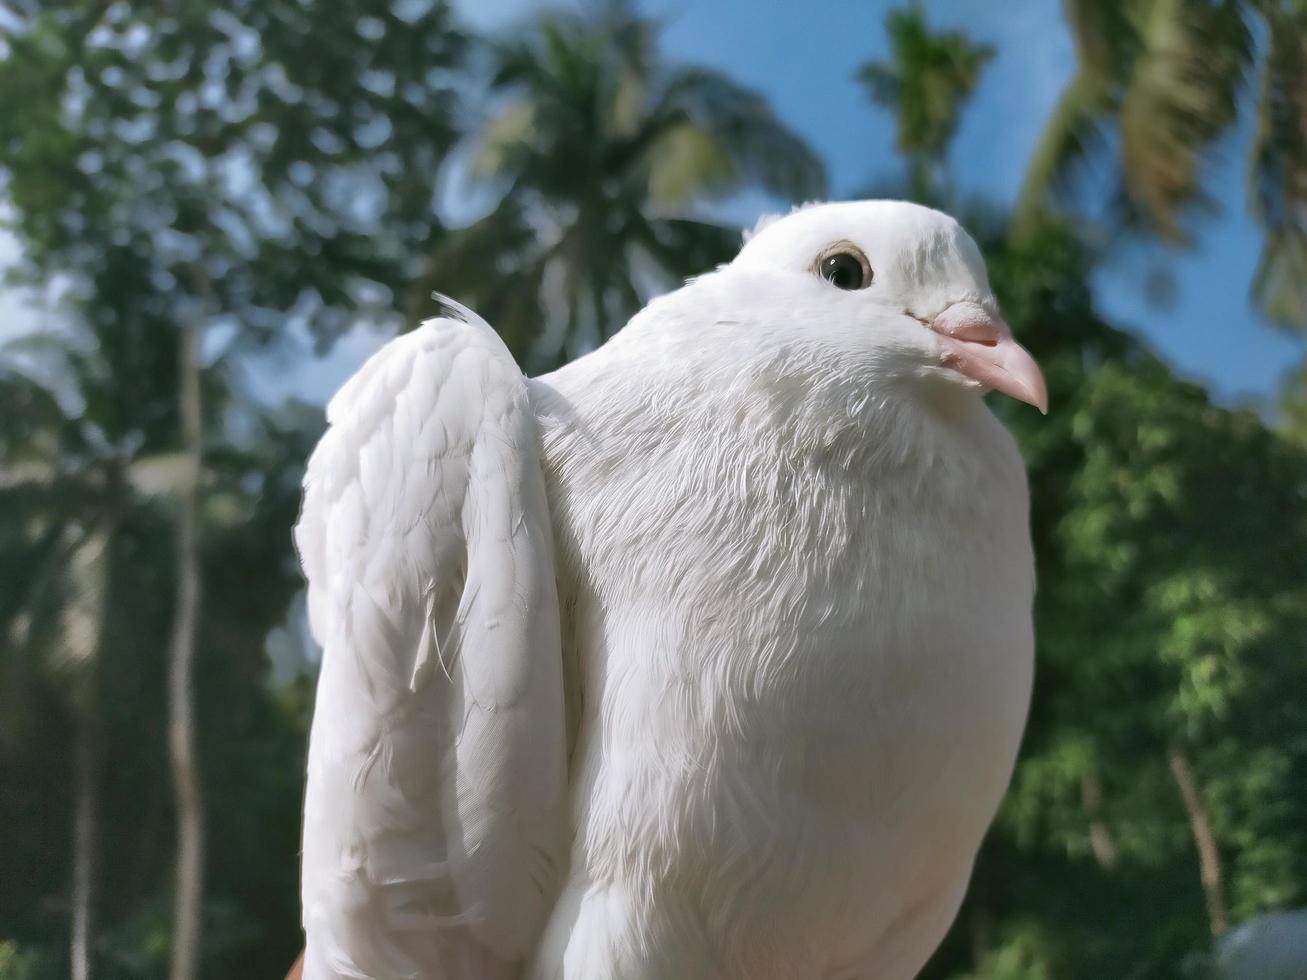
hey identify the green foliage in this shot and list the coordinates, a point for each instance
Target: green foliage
(16, 964)
(1293, 404)
(1023, 957)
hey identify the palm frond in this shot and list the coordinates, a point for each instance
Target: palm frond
(764, 150)
(504, 140)
(883, 83)
(684, 247)
(1278, 175)
(1105, 35)
(1280, 284)
(1182, 96)
(1158, 80)
(687, 161)
(1070, 144)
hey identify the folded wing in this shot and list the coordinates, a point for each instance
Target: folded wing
(434, 818)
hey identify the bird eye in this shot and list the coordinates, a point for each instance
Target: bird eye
(844, 267)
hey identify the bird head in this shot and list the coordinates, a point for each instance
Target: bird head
(907, 279)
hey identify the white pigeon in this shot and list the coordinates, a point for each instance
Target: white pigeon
(705, 657)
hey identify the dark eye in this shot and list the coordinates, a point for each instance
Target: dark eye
(845, 267)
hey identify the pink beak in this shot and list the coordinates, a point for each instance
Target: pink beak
(979, 345)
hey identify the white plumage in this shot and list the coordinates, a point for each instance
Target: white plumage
(705, 656)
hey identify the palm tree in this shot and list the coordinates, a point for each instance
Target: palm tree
(926, 82)
(1158, 85)
(599, 153)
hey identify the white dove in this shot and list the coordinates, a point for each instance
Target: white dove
(705, 657)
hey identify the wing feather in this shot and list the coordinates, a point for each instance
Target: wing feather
(434, 823)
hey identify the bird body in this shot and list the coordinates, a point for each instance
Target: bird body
(761, 726)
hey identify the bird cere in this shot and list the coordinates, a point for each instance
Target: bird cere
(704, 656)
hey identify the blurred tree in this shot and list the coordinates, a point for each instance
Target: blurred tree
(205, 176)
(1158, 85)
(600, 152)
(925, 83)
(70, 490)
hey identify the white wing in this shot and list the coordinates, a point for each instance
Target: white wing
(434, 819)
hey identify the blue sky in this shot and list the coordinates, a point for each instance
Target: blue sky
(803, 57)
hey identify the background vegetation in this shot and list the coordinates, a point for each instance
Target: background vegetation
(197, 184)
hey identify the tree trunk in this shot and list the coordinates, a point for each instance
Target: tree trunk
(181, 694)
(83, 620)
(86, 852)
(1209, 857)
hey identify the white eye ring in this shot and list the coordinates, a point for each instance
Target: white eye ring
(844, 266)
